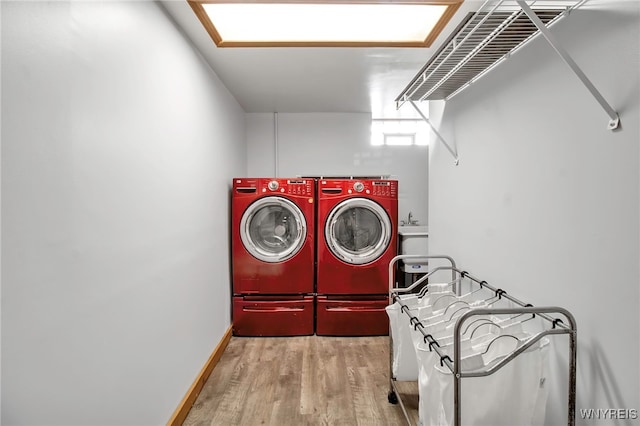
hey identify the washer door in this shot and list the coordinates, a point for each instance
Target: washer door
(273, 229)
(358, 231)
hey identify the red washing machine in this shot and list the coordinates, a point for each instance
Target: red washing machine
(357, 232)
(273, 256)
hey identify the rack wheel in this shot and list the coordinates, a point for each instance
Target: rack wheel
(392, 397)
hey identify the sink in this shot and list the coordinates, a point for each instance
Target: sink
(414, 240)
(413, 230)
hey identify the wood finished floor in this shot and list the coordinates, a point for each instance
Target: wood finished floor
(308, 380)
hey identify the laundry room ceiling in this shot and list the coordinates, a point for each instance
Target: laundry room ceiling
(313, 79)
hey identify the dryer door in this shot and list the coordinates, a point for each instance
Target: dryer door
(358, 231)
(273, 229)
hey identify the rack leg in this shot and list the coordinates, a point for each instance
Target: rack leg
(391, 396)
(573, 342)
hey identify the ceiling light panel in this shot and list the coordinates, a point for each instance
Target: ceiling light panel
(300, 23)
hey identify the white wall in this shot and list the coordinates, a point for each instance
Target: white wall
(118, 148)
(545, 201)
(315, 144)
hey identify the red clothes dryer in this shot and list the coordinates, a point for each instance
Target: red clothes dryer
(272, 248)
(357, 228)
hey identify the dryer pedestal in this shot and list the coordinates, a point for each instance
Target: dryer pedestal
(352, 316)
(259, 316)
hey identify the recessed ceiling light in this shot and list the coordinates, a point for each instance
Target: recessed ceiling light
(324, 23)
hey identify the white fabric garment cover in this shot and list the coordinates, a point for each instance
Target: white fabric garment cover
(429, 408)
(514, 395)
(404, 364)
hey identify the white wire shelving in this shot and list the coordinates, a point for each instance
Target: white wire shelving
(485, 39)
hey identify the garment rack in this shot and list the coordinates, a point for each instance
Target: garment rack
(559, 327)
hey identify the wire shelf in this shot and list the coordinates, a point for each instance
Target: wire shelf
(483, 40)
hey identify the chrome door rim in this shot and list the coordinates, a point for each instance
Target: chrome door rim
(264, 255)
(349, 256)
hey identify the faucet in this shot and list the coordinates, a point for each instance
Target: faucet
(410, 220)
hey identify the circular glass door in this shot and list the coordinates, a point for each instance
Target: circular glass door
(358, 231)
(273, 229)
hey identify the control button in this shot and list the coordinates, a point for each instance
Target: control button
(273, 185)
(358, 186)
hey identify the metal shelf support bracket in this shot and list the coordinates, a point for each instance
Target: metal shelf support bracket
(614, 120)
(438, 135)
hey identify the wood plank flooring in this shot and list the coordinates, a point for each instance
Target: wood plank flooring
(310, 380)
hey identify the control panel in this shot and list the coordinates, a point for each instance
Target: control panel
(386, 188)
(379, 188)
(302, 187)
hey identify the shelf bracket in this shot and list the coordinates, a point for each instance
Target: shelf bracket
(614, 120)
(451, 151)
